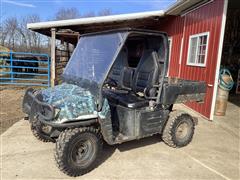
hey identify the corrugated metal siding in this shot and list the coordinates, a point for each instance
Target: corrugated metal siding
(174, 27)
(207, 18)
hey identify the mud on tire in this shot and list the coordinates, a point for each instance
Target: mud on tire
(179, 129)
(39, 133)
(78, 150)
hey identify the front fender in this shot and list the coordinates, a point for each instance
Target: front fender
(33, 105)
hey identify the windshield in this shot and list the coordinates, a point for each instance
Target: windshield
(92, 59)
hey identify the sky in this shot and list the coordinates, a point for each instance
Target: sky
(47, 8)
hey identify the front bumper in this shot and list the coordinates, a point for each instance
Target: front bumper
(34, 106)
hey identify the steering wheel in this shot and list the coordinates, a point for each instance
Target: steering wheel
(111, 81)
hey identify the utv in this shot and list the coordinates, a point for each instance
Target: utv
(115, 89)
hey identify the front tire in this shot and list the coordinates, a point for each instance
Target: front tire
(78, 150)
(41, 132)
(179, 129)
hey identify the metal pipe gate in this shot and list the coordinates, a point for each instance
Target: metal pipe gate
(24, 69)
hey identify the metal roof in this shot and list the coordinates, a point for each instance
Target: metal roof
(93, 24)
(85, 24)
(95, 20)
(181, 6)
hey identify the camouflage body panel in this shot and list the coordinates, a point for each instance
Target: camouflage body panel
(105, 110)
(71, 102)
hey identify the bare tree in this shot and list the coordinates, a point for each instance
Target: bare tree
(3, 32)
(15, 35)
(28, 39)
(67, 13)
(73, 13)
(89, 14)
(105, 12)
(10, 26)
(3, 35)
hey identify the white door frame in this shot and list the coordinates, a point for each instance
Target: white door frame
(220, 47)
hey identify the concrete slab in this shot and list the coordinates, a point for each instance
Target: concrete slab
(213, 154)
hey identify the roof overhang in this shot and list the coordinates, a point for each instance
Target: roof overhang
(94, 24)
(181, 6)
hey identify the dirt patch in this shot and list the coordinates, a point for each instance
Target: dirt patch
(11, 106)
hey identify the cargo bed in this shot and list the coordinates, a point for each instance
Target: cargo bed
(180, 91)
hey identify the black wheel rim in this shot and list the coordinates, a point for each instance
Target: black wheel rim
(82, 152)
(46, 129)
(183, 130)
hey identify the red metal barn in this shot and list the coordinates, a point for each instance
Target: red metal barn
(196, 34)
(197, 30)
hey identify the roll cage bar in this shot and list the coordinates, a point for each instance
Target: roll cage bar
(130, 31)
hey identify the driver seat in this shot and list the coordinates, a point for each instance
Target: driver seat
(146, 75)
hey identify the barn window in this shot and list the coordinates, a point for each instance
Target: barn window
(197, 51)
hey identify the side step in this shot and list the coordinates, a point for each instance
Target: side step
(121, 138)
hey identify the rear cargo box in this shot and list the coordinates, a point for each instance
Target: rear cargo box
(180, 91)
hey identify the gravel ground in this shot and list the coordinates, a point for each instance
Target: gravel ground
(10, 111)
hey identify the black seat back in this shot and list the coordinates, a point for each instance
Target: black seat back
(147, 73)
(127, 78)
(116, 72)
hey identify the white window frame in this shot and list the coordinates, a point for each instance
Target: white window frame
(189, 53)
(169, 53)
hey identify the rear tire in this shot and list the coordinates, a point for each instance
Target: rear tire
(179, 129)
(40, 133)
(78, 150)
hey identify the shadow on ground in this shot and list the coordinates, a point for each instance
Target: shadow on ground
(139, 143)
(108, 150)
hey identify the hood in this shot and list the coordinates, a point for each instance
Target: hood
(71, 102)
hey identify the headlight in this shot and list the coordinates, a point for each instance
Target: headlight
(57, 111)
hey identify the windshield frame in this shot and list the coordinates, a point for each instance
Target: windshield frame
(83, 80)
(100, 99)
(140, 32)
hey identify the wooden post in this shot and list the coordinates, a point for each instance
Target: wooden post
(67, 49)
(53, 56)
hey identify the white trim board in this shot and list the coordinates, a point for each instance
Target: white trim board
(170, 39)
(181, 50)
(224, 17)
(180, 58)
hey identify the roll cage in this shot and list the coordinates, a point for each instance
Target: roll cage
(137, 32)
